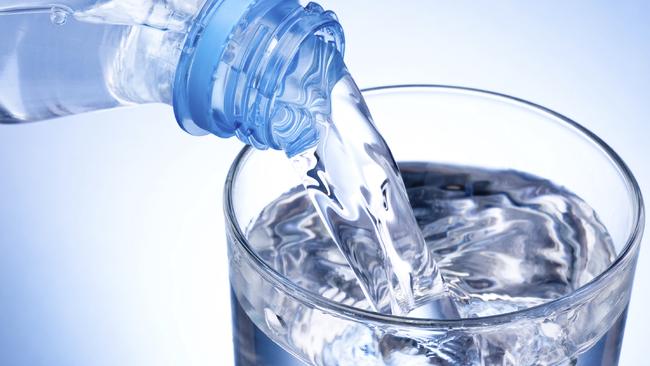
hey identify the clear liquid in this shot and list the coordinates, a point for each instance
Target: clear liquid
(353, 182)
(254, 348)
(503, 241)
(100, 54)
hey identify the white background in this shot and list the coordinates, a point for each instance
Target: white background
(112, 243)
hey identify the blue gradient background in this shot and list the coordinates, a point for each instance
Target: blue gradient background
(112, 247)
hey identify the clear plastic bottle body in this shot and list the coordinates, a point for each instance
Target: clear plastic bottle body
(78, 56)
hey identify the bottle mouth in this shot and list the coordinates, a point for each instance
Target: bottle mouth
(230, 89)
(257, 58)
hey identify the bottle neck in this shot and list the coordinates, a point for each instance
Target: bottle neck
(238, 61)
(148, 47)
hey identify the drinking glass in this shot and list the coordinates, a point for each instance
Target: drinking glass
(276, 322)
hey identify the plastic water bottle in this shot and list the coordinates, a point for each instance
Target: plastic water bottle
(270, 72)
(219, 63)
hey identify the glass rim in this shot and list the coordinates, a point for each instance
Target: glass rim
(345, 311)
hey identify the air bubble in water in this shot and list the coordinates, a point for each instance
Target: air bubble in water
(59, 16)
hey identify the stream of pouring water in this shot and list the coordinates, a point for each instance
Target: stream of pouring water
(356, 187)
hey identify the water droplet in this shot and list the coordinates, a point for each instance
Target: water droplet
(59, 16)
